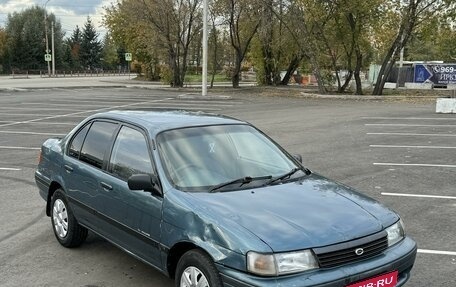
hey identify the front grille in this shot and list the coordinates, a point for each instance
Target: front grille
(344, 253)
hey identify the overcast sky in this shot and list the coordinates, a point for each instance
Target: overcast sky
(70, 12)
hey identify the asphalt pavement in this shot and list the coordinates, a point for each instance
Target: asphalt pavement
(400, 153)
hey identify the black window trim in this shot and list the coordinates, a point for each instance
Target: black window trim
(91, 122)
(107, 156)
(149, 149)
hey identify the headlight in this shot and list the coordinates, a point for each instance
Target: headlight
(395, 232)
(280, 263)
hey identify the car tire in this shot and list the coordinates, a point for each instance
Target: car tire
(66, 228)
(198, 264)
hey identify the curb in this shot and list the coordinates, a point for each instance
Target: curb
(365, 97)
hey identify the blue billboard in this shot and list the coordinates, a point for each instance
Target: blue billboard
(439, 74)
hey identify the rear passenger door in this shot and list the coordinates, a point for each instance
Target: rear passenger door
(84, 164)
(136, 215)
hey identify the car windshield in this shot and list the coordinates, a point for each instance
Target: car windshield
(201, 158)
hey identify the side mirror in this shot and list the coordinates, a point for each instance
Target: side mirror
(298, 157)
(144, 182)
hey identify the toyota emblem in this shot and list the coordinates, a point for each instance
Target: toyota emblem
(359, 251)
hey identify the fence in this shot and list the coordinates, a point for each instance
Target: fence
(25, 74)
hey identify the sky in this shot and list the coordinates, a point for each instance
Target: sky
(69, 12)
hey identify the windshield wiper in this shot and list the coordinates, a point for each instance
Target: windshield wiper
(242, 181)
(286, 175)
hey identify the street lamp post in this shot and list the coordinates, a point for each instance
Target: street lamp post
(204, 84)
(46, 34)
(53, 48)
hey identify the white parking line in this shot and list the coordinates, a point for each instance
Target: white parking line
(408, 125)
(84, 112)
(418, 195)
(412, 134)
(74, 104)
(38, 109)
(407, 118)
(415, 164)
(10, 169)
(28, 114)
(19, 147)
(49, 123)
(439, 252)
(31, 133)
(412, 146)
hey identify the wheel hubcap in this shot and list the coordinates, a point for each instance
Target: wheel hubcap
(193, 277)
(60, 218)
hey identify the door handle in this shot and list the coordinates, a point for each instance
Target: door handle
(106, 186)
(68, 168)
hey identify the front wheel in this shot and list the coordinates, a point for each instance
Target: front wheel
(195, 268)
(66, 229)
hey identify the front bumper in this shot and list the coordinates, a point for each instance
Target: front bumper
(400, 257)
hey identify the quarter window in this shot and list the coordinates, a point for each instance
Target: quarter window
(130, 154)
(97, 141)
(76, 143)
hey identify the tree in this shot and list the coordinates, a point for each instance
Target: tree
(110, 56)
(242, 18)
(25, 43)
(165, 26)
(73, 44)
(91, 48)
(3, 49)
(403, 17)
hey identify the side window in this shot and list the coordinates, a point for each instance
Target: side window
(97, 141)
(130, 154)
(76, 142)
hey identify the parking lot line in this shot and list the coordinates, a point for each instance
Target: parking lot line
(407, 118)
(31, 133)
(49, 123)
(427, 251)
(412, 146)
(84, 112)
(412, 134)
(19, 147)
(38, 109)
(415, 164)
(409, 125)
(28, 114)
(10, 168)
(418, 195)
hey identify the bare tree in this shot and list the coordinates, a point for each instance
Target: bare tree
(242, 19)
(176, 23)
(412, 13)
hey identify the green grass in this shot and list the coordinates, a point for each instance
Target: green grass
(199, 78)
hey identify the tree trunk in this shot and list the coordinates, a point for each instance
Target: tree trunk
(317, 73)
(408, 23)
(214, 58)
(359, 64)
(292, 66)
(346, 82)
(237, 70)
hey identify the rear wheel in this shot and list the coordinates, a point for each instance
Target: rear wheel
(66, 229)
(196, 269)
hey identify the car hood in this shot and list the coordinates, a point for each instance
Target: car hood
(313, 212)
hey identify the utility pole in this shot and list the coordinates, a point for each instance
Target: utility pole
(204, 84)
(46, 34)
(53, 50)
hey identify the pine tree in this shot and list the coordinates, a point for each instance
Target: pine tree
(91, 48)
(74, 42)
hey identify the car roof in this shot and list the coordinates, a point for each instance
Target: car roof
(157, 121)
